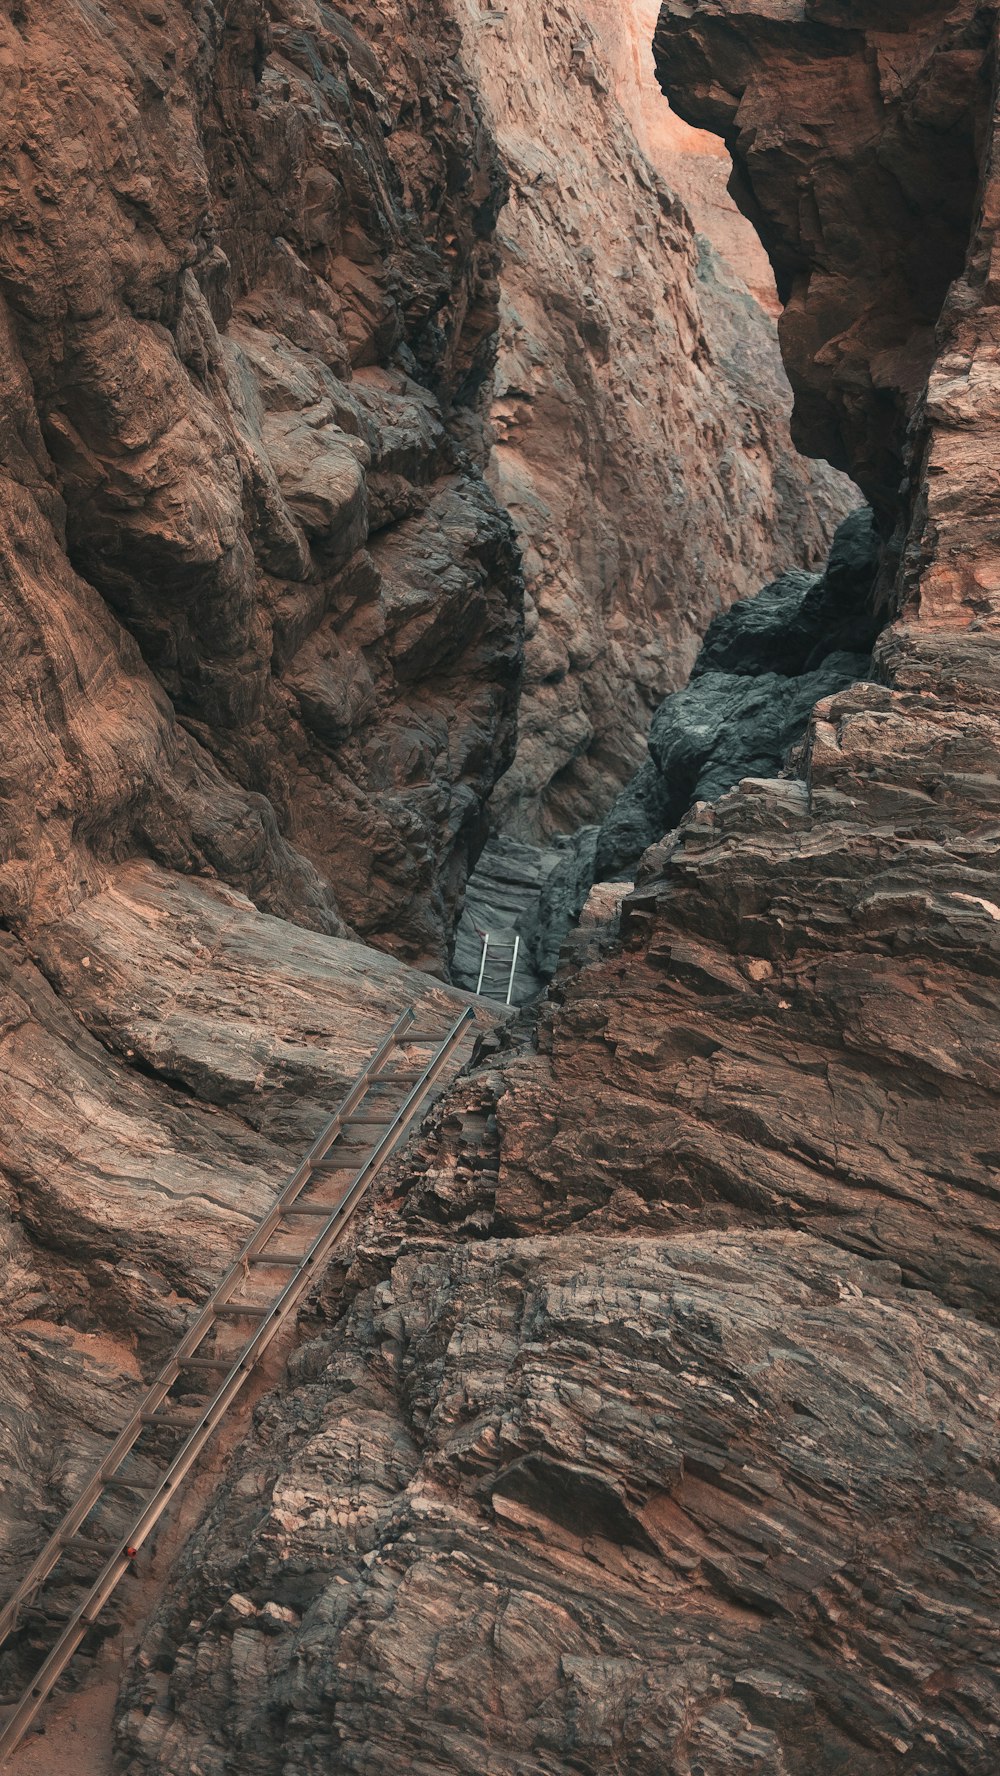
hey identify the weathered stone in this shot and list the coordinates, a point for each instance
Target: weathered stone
(649, 1422)
(763, 666)
(655, 1425)
(640, 413)
(214, 393)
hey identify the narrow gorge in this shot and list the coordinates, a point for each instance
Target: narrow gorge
(431, 505)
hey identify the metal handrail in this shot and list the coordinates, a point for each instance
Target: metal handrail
(211, 1413)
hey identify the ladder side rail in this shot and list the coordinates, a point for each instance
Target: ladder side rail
(513, 968)
(312, 1264)
(51, 1553)
(482, 964)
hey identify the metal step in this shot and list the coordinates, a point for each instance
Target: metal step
(157, 1409)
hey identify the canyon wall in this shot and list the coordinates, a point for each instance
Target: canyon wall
(640, 414)
(261, 611)
(261, 621)
(693, 162)
(655, 1424)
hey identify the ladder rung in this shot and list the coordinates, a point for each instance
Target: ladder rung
(278, 1258)
(398, 1078)
(424, 1037)
(236, 1310)
(207, 1362)
(312, 1209)
(123, 1485)
(365, 1122)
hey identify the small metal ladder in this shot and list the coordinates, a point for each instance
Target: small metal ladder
(501, 944)
(267, 1282)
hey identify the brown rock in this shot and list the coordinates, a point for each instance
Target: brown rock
(640, 415)
(158, 1082)
(214, 397)
(857, 142)
(661, 1433)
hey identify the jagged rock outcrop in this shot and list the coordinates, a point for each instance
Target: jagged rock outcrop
(640, 417)
(565, 1548)
(657, 1427)
(858, 145)
(694, 163)
(261, 612)
(763, 667)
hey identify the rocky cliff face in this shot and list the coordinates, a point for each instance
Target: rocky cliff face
(640, 413)
(693, 162)
(261, 623)
(261, 611)
(869, 125)
(656, 1428)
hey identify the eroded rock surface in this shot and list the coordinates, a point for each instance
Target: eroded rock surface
(261, 612)
(693, 162)
(536, 1473)
(763, 666)
(534, 893)
(163, 1065)
(858, 136)
(674, 1357)
(640, 416)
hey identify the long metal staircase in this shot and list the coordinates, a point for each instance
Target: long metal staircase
(267, 1282)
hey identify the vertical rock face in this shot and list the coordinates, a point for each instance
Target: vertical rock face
(261, 612)
(640, 418)
(659, 1431)
(858, 137)
(693, 162)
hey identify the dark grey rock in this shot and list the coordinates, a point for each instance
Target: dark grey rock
(534, 892)
(724, 726)
(763, 666)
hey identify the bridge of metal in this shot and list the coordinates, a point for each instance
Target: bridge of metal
(264, 1286)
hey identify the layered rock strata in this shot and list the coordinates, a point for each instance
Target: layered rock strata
(859, 138)
(655, 1426)
(640, 416)
(261, 612)
(693, 162)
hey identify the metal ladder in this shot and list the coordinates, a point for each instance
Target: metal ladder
(500, 945)
(322, 1195)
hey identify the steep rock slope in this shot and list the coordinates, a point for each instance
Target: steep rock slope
(262, 612)
(640, 417)
(871, 126)
(163, 1063)
(663, 1432)
(261, 623)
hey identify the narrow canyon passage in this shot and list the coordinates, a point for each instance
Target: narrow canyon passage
(405, 531)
